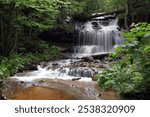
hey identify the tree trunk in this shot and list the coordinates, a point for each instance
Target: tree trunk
(30, 33)
(126, 15)
(133, 19)
(2, 37)
(9, 45)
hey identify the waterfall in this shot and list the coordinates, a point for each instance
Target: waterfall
(97, 37)
(93, 37)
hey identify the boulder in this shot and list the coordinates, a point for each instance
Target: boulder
(99, 94)
(55, 64)
(30, 66)
(97, 61)
(88, 59)
(94, 78)
(1, 83)
(2, 97)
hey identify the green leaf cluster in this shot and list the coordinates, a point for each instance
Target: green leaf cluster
(130, 74)
(21, 21)
(12, 64)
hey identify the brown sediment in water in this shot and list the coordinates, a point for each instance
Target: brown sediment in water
(40, 93)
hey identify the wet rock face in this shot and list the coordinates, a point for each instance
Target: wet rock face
(58, 90)
(31, 66)
(80, 72)
(1, 83)
(57, 35)
(51, 90)
(0, 94)
(88, 59)
(2, 97)
(41, 93)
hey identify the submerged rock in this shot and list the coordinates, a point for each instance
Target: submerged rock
(2, 97)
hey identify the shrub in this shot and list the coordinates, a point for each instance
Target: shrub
(130, 74)
(9, 66)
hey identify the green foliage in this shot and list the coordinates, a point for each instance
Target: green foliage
(130, 74)
(9, 66)
(21, 21)
(92, 7)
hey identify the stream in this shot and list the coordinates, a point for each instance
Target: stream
(73, 77)
(69, 79)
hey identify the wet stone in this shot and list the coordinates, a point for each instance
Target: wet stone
(21, 82)
(2, 97)
(32, 66)
(41, 81)
(94, 78)
(44, 64)
(41, 93)
(88, 59)
(99, 94)
(85, 64)
(50, 67)
(33, 84)
(55, 64)
(1, 83)
(93, 65)
(102, 66)
(97, 61)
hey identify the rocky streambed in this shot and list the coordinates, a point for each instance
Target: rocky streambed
(65, 79)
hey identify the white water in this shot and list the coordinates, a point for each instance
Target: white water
(58, 70)
(94, 37)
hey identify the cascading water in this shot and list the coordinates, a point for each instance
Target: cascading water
(57, 79)
(69, 69)
(93, 37)
(97, 37)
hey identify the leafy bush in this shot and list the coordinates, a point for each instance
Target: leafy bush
(130, 74)
(9, 66)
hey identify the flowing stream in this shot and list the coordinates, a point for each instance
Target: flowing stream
(72, 78)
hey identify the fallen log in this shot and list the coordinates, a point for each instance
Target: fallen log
(115, 13)
(96, 56)
(112, 13)
(100, 56)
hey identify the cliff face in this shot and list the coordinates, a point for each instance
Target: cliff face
(58, 35)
